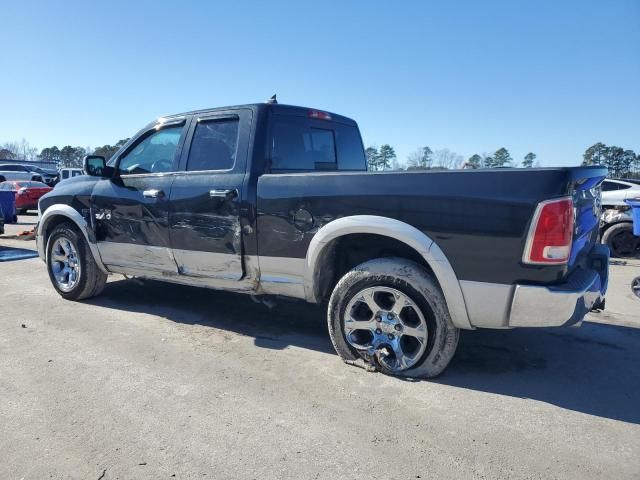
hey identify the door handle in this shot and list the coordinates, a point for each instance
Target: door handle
(227, 194)
(153, 193)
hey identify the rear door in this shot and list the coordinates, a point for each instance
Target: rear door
(206, 198)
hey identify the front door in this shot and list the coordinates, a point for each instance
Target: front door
(132, 209)
(206, 197)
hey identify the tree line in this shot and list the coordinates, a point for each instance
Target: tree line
(424, 158)
(67, 156)
(621, 163)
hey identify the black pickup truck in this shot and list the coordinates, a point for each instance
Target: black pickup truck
(276, 200)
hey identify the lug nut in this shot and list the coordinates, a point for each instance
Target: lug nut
(390, 316)
(378, 318)
(398, 327)
(390, 336)
(378, 331)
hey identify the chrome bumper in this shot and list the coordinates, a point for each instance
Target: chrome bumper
(565, 304)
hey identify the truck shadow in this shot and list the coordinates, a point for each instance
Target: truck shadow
(594, 369)
(10, 254)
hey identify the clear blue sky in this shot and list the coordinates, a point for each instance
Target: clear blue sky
(551, 77)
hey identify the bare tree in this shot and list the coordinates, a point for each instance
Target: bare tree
(422, 158)
(445, 158)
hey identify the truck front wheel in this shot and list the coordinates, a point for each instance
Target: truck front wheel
(390, 312)
(72, 269)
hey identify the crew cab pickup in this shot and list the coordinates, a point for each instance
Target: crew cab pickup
(268, 199)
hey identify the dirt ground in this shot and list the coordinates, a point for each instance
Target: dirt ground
(153, 380)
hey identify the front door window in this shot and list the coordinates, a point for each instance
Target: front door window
(156, 153)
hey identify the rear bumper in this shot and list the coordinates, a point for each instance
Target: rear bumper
(565, 304)
(520, 305)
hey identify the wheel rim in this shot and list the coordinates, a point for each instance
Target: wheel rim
(65, 265)
(624, 244)
(387, 323)
(635, 286)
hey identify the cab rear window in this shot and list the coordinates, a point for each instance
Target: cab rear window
(300, 144)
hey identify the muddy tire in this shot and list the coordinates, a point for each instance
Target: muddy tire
(391, 313)
(621, 241)
(71, 266)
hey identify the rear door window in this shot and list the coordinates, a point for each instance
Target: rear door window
(300, 144)
(214, 145)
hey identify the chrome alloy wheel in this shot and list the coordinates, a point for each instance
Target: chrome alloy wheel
(65, 264)
(635, 286)
(386, 323)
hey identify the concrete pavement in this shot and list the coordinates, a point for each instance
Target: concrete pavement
(153, 380)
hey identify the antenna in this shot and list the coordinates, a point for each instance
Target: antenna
(272, 100)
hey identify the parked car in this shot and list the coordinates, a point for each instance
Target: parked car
(273, 199)
(66, 173)
(615, 192)
(27, 193)
(49, 176)
(616, 231)
(17, 172)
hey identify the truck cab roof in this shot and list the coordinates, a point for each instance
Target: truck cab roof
(274, 108)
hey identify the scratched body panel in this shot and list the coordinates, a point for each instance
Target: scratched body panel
(207, 226)
(124, 216)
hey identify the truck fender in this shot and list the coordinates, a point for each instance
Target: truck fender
(61, 210)
(411, 236)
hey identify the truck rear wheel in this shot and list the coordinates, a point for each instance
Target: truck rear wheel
(390, 312)
(71, 266)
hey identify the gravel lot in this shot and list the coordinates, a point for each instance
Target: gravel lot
(162, 381)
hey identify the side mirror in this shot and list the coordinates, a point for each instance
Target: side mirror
(95, 165)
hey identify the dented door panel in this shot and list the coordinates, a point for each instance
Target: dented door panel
(209, 198)
(206, 235)
(131, 228)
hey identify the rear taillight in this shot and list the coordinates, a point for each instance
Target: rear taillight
(551, 233)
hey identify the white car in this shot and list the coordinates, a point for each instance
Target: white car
(18, 172)
(70, 173)
(615, 192)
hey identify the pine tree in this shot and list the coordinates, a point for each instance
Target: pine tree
(501, 158)
(372, 158)
(595, 154)
(386, 155)
(475, 161)
(528, 160)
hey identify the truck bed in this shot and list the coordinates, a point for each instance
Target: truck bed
(479, 218)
